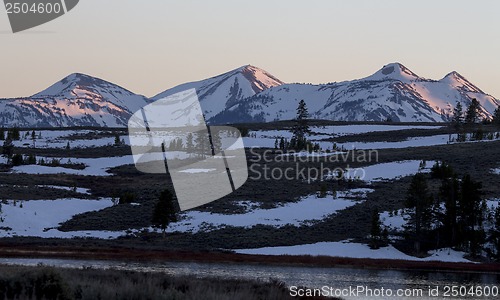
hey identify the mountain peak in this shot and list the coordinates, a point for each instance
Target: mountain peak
(455, 79)
(65, 86)
(261, 78)
(395, 71)
(83, 80)
(217, 93)
(455, 75)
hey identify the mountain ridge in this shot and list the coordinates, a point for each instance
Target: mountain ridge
(394, 92)
(251, 94)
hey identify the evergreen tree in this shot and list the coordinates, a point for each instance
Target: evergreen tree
(117, 140)
(375, 231)
(8, 148)
(301, 128)
(189, 143)
(17, 160)
(458, 118)
(33, 135)
(472, 113)
(450, 193)
(470, 215)
(420, 205)
(164, 212)
(202, 144)
(323, 191)
(171, 145)
(31, 159)
(495, 235)
(2, 134)
(496, 116)
(15, 133)
(216, 142)
(178, 144)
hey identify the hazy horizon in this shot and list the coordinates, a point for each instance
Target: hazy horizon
(152, 46)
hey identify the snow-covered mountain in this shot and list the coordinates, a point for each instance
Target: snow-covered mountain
(393, 92)
(218, 93)
(250, 94)
(77, 100)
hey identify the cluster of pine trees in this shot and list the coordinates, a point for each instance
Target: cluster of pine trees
(299, 131)
(455, 217)
(472, 115)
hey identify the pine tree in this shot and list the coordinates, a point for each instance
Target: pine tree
(375, 231)
(216, 141)
(164, 212)
(202, 145)
(301, 128)
(449, 193)
(420, 214)
(8, 148)
(495, 235)
(472, 113)
(117, 140)
(458, 116)
(178, 144)
(17, 160)
(14, 134)
(470, 214)
(189, 143)
(2, 134)
(496, 117)
(323, 191)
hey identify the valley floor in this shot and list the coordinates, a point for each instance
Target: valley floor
(72, 198)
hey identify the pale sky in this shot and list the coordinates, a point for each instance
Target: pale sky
(151, 45)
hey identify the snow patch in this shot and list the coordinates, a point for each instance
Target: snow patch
(354, 250)
(303, 212)
(40, 218)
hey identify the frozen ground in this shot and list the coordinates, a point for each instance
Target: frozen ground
(67, 188)
(303, 212)
(60, 139)
(40, 218)
(393, 221)
(95, 166)
(388, 171)
(262, 141)
(354, 250)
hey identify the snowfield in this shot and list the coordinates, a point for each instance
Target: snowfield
(60, 138)
(95, 166)
(40, 218)
(67, 188)
(306, 211)
(388, 171)
(393, 221)
(354, 250)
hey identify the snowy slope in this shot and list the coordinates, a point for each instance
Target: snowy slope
(393, 92)
(77, 100)
(222, 91)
